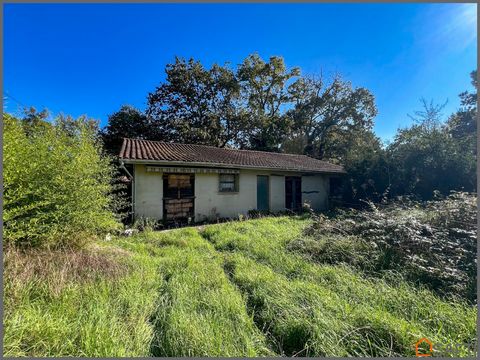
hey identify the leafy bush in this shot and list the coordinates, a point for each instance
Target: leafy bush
(146, 224)
(56, 183)
(431, 243)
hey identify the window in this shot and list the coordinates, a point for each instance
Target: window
(228, 183)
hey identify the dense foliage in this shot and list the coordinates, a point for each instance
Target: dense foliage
(224, 107)
(56, 182)
(428, 156)
(126, 122)
(431, 243)
(328, 116)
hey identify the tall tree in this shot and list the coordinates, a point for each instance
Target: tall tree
(325, 112)
(126, 122)
(430, 115)
(264, 90)
(247, 107)
(368, 169)
(462, 125)
(71, 126)
(425, 157)
(197, 105)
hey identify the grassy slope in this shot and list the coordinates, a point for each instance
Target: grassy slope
(230, 289)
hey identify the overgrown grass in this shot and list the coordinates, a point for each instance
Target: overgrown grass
(432, 243)
(322, 310)
(199, 312)
(90, 303)
(232, 289)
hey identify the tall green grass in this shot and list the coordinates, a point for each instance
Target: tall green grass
(199, 312)
(316, 310)
(230, 289)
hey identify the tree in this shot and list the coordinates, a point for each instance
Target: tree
(71, 126)
(247, 107)
(462, 125)
(368, 171)
(430, 116)
(34, 121)
(324, 114)
(197, 105)
(427, 158)
(264, 90)
(335, 121)
(223, 107)
(126, 122)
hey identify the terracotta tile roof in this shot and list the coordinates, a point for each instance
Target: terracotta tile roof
(162, 152)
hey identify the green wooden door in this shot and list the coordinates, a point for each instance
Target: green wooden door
(262, 193)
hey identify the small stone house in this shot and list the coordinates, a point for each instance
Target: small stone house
(193, 183)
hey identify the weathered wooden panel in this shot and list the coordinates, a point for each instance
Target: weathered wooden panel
(179, 199)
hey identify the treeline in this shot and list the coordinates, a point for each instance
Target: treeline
(260, 105)
(263, 105)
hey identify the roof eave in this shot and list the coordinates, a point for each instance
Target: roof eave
(228, 166)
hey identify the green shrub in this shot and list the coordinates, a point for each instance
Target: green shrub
(146, 224)
(432, 243)
(56, 183)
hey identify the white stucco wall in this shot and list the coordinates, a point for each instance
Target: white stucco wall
(210, 203)
(148, 193)
(315, 190)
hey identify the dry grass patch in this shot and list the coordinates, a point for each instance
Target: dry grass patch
(59, 268)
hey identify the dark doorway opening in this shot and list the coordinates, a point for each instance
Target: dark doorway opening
(178, 198)
(293, 192)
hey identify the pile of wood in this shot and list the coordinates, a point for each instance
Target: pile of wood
(178, 208)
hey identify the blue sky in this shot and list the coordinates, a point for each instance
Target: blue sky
(92, 58)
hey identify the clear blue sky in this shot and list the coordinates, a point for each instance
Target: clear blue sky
(90, 58)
